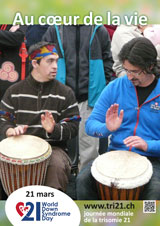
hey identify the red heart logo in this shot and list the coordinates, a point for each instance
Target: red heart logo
(21, 209)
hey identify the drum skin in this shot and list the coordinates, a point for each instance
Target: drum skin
(121, 175)
(18, 172)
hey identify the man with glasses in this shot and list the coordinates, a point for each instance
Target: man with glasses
(129, 110)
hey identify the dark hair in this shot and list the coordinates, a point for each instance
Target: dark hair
(36, 46)
(140, 52)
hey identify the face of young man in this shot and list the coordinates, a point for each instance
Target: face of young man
(136, 75)
(47, 68)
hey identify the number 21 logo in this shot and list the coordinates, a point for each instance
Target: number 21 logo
(26, 210)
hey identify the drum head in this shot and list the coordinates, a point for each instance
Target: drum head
(23, 147)
(121, 168)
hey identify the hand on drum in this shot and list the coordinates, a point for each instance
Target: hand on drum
(19, 130)
(48, 122)
(113, 121)
(137, 142)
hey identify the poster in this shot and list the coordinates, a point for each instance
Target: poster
(112, 213)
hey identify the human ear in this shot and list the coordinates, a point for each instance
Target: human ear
(34, 63)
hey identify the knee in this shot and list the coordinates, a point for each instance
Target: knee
(61, 163)
(62, 168)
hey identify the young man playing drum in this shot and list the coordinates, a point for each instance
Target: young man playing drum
(41, 106)
(129, 110)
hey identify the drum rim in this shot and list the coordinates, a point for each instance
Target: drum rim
(21, 161)
(122, 183)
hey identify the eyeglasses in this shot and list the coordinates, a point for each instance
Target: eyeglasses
(134, 72)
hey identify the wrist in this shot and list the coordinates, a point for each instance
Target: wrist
(9, 132)
(49, 130)
(145, 147)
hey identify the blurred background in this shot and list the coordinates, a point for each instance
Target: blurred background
(79, 7)
(3, 219)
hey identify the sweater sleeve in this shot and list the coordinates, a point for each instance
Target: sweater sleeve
(6, 106)
(153, 146)
(96, 125)
(11, 39)
(67, 128)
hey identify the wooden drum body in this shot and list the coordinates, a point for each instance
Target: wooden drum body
(23, 161)
(121, 175)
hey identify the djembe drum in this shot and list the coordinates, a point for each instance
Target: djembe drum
(23, 161)
(121, 175)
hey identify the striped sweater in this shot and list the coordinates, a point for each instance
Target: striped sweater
(28, 99)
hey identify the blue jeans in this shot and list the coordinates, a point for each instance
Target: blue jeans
(87, 190)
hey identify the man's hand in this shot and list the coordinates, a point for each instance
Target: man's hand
(19, 130)
(14, 28)
(48, 122)
(113, 121)
(137, 142)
